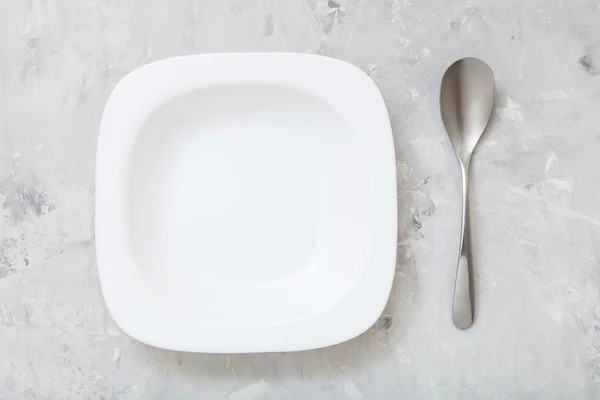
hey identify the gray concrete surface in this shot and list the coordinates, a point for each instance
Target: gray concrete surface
(536, 187)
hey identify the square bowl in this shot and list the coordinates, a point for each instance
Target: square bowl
(245, 203)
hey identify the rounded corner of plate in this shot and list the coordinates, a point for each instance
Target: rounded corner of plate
(364, 75)
(132, 330)
(130, 77)
(115, 92)
(122, 319)
(360, 327)
(348, 337)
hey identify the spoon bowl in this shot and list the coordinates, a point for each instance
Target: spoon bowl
(466, 103)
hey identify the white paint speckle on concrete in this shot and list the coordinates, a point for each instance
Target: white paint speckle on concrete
(551, 161)
(351, 390)
(254, 391)
(536, 214)
(116, 354)
(510, 111)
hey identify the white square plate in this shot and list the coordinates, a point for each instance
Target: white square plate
(245, 203)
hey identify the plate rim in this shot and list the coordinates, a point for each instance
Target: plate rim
(334, 75)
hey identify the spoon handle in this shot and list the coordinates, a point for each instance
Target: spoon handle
(462, 309)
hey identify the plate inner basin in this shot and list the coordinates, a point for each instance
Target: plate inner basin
(248, 204)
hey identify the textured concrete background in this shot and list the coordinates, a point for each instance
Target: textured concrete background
(535, 180)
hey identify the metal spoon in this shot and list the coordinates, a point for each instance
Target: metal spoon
(466, 102)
